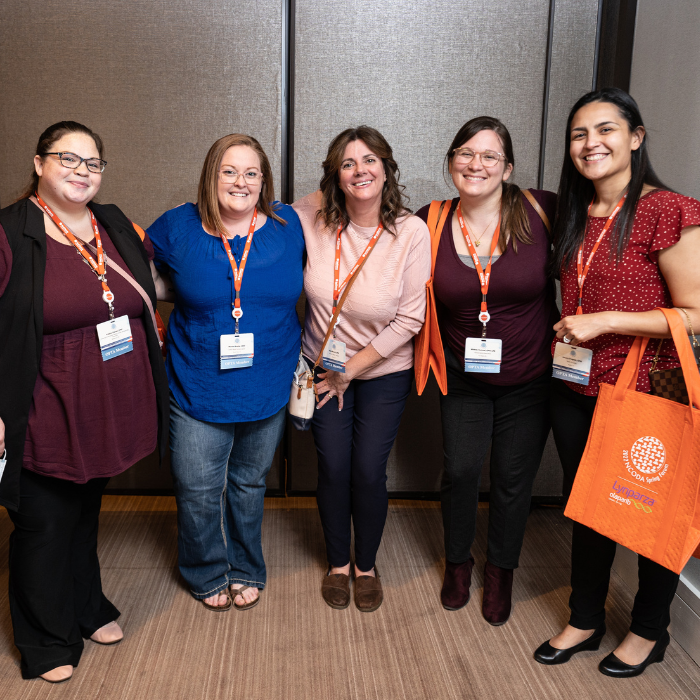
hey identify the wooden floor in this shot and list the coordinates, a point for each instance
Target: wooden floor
(293, 646)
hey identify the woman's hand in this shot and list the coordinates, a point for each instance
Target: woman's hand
(335, 383)
(2, 438)
(579, 329)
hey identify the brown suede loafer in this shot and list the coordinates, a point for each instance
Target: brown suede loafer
(335, 590)
(368, 592)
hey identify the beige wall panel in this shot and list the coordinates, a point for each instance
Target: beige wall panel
(666, 84)
(573, 54)
(159, 81)
(417, 71)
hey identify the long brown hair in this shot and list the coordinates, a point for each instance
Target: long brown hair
(514, 219)
(207, 197)
(46, 142)
(393, 205)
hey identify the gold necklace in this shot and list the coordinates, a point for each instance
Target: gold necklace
(477, 241)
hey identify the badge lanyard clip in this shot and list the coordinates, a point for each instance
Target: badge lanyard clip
(99, 267)
(236, 310)
(484, 277)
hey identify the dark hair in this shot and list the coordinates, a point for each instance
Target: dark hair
(393, 205)
(576, 191)
(46, 141)
(207, 197)
(514, 219)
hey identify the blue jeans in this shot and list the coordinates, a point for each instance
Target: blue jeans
(219, 472)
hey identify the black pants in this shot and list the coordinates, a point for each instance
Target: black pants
(56, 594)
(592, 554)
(353, 447)
(514, 420)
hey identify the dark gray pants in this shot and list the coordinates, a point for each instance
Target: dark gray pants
(515, 421)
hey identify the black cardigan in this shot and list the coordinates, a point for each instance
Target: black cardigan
(22, 321)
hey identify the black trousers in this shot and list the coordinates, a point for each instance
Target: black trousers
(592, 554)
(514, 420)
(353, 447)
(56, 594)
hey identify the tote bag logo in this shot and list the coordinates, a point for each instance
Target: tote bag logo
(646, 461)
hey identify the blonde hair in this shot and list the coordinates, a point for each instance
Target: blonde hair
(207, 196)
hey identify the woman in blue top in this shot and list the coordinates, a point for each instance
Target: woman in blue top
(235, 259)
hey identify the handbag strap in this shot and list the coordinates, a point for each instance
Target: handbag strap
(661, 341)
(341, 301)
(437, 216)
(536, 206)
(136, 286)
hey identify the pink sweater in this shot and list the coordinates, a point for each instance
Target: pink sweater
(386, 305)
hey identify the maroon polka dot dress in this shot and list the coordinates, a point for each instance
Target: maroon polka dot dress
(633, 284)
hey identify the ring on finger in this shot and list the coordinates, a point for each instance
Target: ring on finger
(566, 339)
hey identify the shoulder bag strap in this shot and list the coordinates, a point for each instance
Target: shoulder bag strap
(536, 206)
(135, 285)
(341, 301)
(437, 216)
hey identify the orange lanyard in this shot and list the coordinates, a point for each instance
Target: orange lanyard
(337, 287)
(237, 312)
(484, 277)
(583, 271)
(99, 267)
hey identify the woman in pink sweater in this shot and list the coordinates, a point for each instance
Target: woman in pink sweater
(366, 374)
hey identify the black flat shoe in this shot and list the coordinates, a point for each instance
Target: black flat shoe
(613, 667)
(549, 655)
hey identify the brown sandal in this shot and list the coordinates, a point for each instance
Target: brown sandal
(219, 608)
(237, 591)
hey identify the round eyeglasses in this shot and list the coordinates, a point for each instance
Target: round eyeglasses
(229, 176)
(489, 159)
(70, 160)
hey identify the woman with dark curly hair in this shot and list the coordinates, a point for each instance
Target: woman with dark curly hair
(359, 219)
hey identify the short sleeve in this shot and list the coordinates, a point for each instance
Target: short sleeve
(158, 236)
(5, 261)
(674, 213)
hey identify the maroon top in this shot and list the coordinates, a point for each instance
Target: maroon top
(89, 418)
(636, 284)
(520, 299)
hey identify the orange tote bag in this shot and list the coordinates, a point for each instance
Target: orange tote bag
(639, 476)
(428, 350)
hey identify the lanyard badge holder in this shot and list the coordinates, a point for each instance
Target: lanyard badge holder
(573, 363)
(483, 354)
(333, 351)
(236, 350)
(114, 336)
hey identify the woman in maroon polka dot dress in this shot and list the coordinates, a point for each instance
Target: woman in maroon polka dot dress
(647, 257)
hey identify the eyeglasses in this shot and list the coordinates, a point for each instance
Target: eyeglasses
(70, 160)
(489, 159)
(229, 176)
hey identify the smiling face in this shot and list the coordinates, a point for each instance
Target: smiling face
(361, 175)
(65, 186)
(239, 198)
(601, 143)
(473, 179)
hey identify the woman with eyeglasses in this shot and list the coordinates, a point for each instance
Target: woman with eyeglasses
(360, 236)
(235, 259)
(624, 245)
(83, 394)
(496, 307)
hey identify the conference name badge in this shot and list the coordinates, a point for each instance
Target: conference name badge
(115, 337)
(482, 355)
(572, 363)
(236, 350)
(334, 356)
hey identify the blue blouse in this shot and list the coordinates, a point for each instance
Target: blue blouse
(203, 281)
